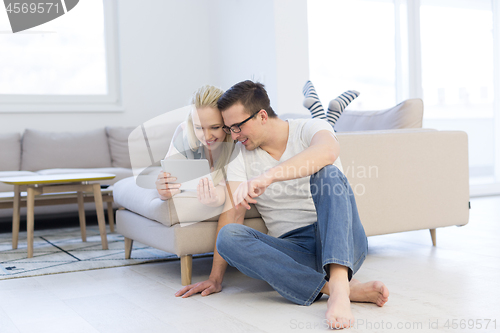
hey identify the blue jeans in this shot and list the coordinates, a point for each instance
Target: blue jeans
(295, 263)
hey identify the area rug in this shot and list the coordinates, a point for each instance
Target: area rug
(62, 250)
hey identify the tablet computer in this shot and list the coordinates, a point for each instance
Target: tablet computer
(187, 172)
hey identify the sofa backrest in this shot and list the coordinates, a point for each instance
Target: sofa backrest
(407, 179)
(407, 114)
(10, 152)
(48, 150)
(118, 146)
(149, 142)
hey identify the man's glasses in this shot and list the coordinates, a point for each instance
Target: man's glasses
(236, 128)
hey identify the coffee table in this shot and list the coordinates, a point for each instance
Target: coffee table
(59, 183)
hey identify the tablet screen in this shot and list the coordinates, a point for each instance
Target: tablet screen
(187, 172)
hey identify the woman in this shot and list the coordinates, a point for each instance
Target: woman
(201, 137)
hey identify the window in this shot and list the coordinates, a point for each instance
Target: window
(457, 75)
(67, 64)
(446, 52)
(351, 46)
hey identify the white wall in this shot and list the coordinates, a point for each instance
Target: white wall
(168, 48)
(243, 43)
(265, 41)
(292, 54)
(163, 52)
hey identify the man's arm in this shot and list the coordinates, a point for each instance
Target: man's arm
(323, 150)
(214, 283)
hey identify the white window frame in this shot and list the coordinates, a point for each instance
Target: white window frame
(408, 73)
(112, 102)
(494, 188)
(412, 88)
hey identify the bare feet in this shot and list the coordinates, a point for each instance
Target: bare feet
(369, 292)
(338, 311)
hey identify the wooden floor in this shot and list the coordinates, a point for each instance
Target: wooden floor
(431, 290)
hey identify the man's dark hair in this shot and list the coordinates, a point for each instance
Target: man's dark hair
(251, 95)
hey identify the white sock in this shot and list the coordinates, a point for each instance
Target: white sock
(312, 102)
(337, 105)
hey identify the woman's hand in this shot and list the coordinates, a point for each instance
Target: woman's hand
(207, 194)
(165, 186)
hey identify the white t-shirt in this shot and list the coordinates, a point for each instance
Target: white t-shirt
(286, 205)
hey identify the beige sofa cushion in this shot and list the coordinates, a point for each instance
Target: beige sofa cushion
(10, 152)
(47, 150)
(407, 114)
(149, 143)
(183, 208)
(118, 146)
(147, 203)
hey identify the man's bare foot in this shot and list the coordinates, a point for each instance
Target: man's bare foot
(338, 312)
(369, 292)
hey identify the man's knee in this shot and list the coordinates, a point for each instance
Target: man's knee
(328, 171)
(328, 180)
(227, 237)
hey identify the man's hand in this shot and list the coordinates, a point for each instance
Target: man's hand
(246, 192)
(205, 288)
(165, 186)
(207, 194)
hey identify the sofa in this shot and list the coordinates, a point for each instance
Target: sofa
(404, 178)
(103, 150)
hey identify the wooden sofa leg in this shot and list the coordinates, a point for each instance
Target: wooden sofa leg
(186, 269)
(433, 236)
(128, 247)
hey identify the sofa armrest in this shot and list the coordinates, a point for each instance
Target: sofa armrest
(407, 179)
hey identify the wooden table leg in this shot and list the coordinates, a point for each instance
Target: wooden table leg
(111, 217)
(81, 215)
(16, 216)
(100, 215)
(31, 219)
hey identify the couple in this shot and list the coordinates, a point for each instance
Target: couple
(315, 241)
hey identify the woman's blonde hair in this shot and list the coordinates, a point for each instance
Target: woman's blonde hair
(207, 96)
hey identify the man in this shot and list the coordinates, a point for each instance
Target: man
(290, 170)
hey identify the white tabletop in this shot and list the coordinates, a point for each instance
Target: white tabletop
(57, 178)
